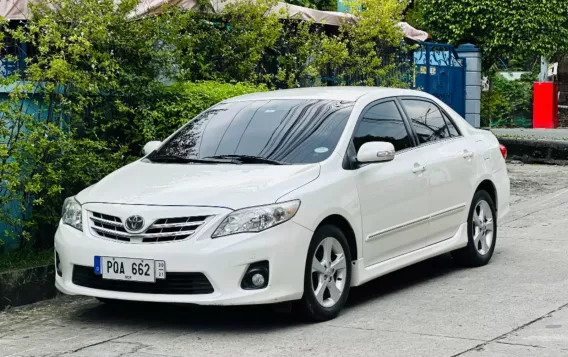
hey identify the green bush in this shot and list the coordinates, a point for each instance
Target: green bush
(183, 101)
(519, 28)
(42, 161)
(25, 259)
(508, 103)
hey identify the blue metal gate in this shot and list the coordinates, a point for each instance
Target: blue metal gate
(440, 72)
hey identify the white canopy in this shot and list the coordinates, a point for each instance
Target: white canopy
(298, 12)
(18, 10)
(14, 9)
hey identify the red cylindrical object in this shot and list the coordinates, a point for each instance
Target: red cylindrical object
(545, 111)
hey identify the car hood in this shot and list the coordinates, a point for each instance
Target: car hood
(217, 185)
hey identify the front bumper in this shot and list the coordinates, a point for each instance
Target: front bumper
(223, 261)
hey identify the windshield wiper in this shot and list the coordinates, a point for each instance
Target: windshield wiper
(248, 159)
(183, 160)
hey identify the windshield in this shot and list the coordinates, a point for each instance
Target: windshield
(282, 131)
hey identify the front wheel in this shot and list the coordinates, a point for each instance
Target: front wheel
(327, 277)
(481, 232)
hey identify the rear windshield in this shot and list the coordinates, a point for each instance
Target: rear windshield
(288, 131)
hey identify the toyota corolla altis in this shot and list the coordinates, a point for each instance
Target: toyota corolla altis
(292, 195)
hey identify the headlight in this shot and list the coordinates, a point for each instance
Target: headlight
(256, 219)
(71, 213)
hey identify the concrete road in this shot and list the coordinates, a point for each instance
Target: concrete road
(535, 134)
(515, 306)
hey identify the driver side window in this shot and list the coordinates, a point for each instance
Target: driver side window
(382, 122)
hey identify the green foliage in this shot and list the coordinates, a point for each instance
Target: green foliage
(299, 56)
(520, 27)
(414, 15)
(226, 47)
(101, 84)
(370, 41)
(41, 162)
(25, 259)
(247, 43)
(507, 103)
(183, 101)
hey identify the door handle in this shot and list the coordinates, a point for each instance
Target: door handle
(418, 168)
(467, 154)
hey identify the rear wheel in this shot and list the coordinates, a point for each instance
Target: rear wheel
(481, 232)
(327, 277)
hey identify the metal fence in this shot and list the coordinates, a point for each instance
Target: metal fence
(12, 57)
(432, 67)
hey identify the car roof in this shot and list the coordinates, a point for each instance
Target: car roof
(351, 94)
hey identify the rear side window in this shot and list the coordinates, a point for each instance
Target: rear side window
(451, 127)
(382, 122)
(427, 120)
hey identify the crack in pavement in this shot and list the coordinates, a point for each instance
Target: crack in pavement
(547, 202)
(500, 337)
(138, 346)
(518, 344)
(506, 224)
(409, 333)
(100, 342)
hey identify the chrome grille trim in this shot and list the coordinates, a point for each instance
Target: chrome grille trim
(105, 221)
(162, 230)
(142, 235)
(172, 225)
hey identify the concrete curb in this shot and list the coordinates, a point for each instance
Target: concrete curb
(550, 152)
(26, 286)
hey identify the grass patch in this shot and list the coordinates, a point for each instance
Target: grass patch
(25, 259)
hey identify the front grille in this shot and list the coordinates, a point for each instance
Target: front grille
(174, 284)
(162, 230)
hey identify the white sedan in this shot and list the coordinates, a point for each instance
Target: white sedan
(294, 195)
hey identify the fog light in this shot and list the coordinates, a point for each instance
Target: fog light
(256, 276)
(258, 280)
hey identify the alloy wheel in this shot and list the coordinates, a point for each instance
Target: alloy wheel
(483, 227)
(329, 269)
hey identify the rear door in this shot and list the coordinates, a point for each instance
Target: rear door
(450, 159)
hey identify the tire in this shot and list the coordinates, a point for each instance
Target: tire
(479, 249)
(327, 305)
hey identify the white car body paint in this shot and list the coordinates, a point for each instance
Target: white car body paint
(399, 213)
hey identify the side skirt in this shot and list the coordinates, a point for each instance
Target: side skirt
(362, 274)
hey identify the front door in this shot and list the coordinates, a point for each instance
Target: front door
(393, 195)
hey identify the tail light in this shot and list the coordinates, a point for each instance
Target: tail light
(503, 151)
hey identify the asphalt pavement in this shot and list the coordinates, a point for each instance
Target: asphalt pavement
(515, 306)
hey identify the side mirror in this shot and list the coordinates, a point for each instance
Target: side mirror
(151, 146)
(376, 151)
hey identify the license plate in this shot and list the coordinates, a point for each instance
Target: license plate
(129, 269)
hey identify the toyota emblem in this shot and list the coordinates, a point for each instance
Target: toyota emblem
(134, 223)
